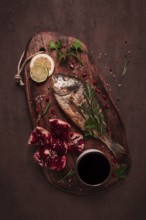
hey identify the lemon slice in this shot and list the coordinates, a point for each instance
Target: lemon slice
(39, 73)
(43, 60)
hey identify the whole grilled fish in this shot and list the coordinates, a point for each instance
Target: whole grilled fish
(70, 94)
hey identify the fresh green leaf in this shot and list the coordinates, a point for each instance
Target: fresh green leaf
(55, 45)
(63, 55)
(88, 133)
(77, 46)
(52, 45)
(121, 171)
(90, 123)
(59, 44)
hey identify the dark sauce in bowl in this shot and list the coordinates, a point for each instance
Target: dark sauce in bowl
(93, 168)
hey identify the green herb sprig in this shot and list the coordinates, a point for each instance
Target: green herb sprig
(43, 112)
(69, 174)
(91, 108)
(64, 54)
(46, 109)
(121, 172)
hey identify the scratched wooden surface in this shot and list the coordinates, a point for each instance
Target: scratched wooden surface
(113, 30)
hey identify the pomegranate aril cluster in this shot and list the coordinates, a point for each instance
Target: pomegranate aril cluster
(59, 129)
(53, 145)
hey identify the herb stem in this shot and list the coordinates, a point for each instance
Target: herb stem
(91, 108)
(43, 112)
(69, 174)
(126, 64)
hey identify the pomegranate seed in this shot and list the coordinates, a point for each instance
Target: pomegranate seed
(53, 111)
(94, 82)
(104, 97)
(97, 90)
(71, 135)
(64, 45)
(106, 106)
(33, 140)
(71, 66)
(114, 160)
(84, 74)
(59, 130)
(37, 110)
(47, 99)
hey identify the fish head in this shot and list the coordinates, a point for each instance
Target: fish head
(65, 85)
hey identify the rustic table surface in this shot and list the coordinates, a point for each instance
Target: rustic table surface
(114, 32)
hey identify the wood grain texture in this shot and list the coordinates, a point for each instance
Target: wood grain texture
(114, 121)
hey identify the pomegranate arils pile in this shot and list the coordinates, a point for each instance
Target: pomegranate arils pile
(39, 137)
(59, 129)
(49, 159)
(56, 163)
(76, 143)
(53, 145)
(59, 146)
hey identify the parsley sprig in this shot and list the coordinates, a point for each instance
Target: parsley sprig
(95, 118)
(64, 54)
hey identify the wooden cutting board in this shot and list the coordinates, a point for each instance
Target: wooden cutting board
(115, 124)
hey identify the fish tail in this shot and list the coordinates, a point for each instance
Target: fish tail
(117, 149)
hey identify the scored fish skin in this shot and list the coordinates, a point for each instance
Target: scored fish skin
(69, 93)
(70, 110)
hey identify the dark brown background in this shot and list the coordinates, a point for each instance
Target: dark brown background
(104, 26)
